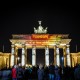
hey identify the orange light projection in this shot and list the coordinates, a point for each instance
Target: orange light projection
(40, 36)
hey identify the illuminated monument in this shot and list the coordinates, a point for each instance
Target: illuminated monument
(40, 39)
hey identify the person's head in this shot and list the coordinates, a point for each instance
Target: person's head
(19, 65)
(15, 66)
(56, 67)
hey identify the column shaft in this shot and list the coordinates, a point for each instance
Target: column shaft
(26, 55)
(12, 55)
(16, 55)
(68, 56)
(57, 57)
(47, 56)
(33, 56)
(64, 55)
(23, 56)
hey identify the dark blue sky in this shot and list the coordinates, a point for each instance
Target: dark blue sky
(20, 19)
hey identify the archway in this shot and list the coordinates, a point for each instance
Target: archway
(40, 56)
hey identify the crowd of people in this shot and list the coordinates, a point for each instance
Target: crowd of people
(35, 73)
(39, 72)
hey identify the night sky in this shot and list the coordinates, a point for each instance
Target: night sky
(20, 19)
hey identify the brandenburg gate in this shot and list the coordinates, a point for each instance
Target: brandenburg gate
(40, 39)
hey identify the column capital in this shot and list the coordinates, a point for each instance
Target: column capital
(54, 46)
(33, 46)
(13, 45)
(57, 46)
(67, 45)
(46, 46)
(64, 47)
(23, 45)
(16, 47)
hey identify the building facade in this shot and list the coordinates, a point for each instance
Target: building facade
(5, 60)
(40, 39)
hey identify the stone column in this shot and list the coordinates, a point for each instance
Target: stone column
(26, 55)
(64, 55)
(12, 54)
(68, 56)
(23, 55)
(57, 56)
(54, 55)
(34, 56)
(16, 55)
(47, 56)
